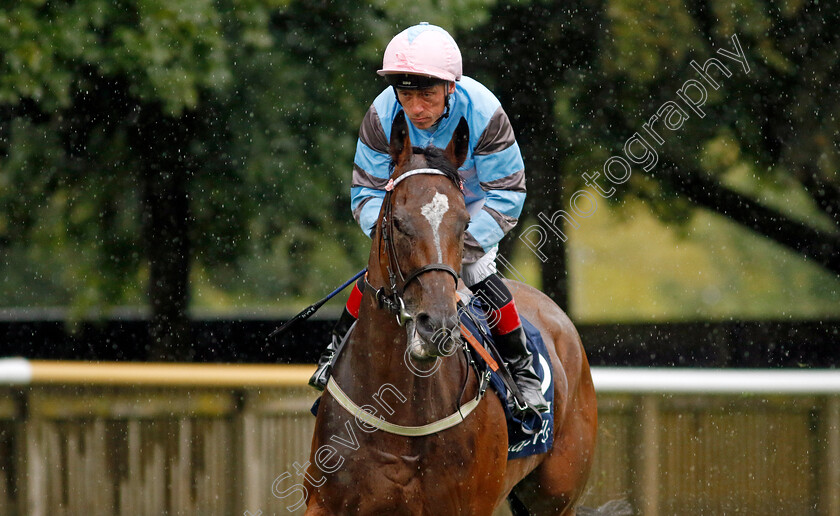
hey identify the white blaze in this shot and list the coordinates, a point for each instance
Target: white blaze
(434, 214)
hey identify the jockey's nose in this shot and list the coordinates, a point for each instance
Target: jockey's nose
(440, 330)
(414, 107)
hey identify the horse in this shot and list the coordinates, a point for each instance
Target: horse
(395, 374)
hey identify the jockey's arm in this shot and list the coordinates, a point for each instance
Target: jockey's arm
(371, 169)
(501, 175)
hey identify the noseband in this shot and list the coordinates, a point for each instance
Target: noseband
(392, 299)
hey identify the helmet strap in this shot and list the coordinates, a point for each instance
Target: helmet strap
(446, 107)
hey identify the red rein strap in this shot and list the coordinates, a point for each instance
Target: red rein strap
(482, 351)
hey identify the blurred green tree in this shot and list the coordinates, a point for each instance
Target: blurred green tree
(115, 147)
(523, 54)
(582, 77)
(150, 143)
(142, 140)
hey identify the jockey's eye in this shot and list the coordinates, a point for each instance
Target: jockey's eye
(405, 95)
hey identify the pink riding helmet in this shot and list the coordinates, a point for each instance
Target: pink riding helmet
(423, 50)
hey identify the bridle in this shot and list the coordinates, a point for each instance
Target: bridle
(391, 298)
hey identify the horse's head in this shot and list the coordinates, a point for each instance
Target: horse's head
(421, 237)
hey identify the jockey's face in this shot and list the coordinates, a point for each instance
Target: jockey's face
(425, 105)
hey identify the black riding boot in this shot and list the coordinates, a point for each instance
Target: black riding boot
(322, 375)
(521, 365)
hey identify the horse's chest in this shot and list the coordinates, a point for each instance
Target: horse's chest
(411, 485)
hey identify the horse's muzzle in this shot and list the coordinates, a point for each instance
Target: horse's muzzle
(429, 339)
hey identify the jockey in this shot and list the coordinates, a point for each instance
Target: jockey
(422, 65)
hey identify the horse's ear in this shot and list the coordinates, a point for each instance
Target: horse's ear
(456, 151)
(400, 145)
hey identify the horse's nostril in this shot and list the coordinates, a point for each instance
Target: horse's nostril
(438, 332)
(424, 323)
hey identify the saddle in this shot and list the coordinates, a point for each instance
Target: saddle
(531, 433)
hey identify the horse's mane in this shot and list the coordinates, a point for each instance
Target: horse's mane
(436, 159)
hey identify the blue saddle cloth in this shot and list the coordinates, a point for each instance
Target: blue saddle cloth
(520, 443)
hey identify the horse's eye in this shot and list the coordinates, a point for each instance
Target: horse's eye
(401, 226)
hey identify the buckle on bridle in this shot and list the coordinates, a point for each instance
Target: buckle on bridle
(402, 314)
(394, 304)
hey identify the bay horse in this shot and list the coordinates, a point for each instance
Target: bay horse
(368, 456)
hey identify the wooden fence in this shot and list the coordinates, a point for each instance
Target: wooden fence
(153, 439)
